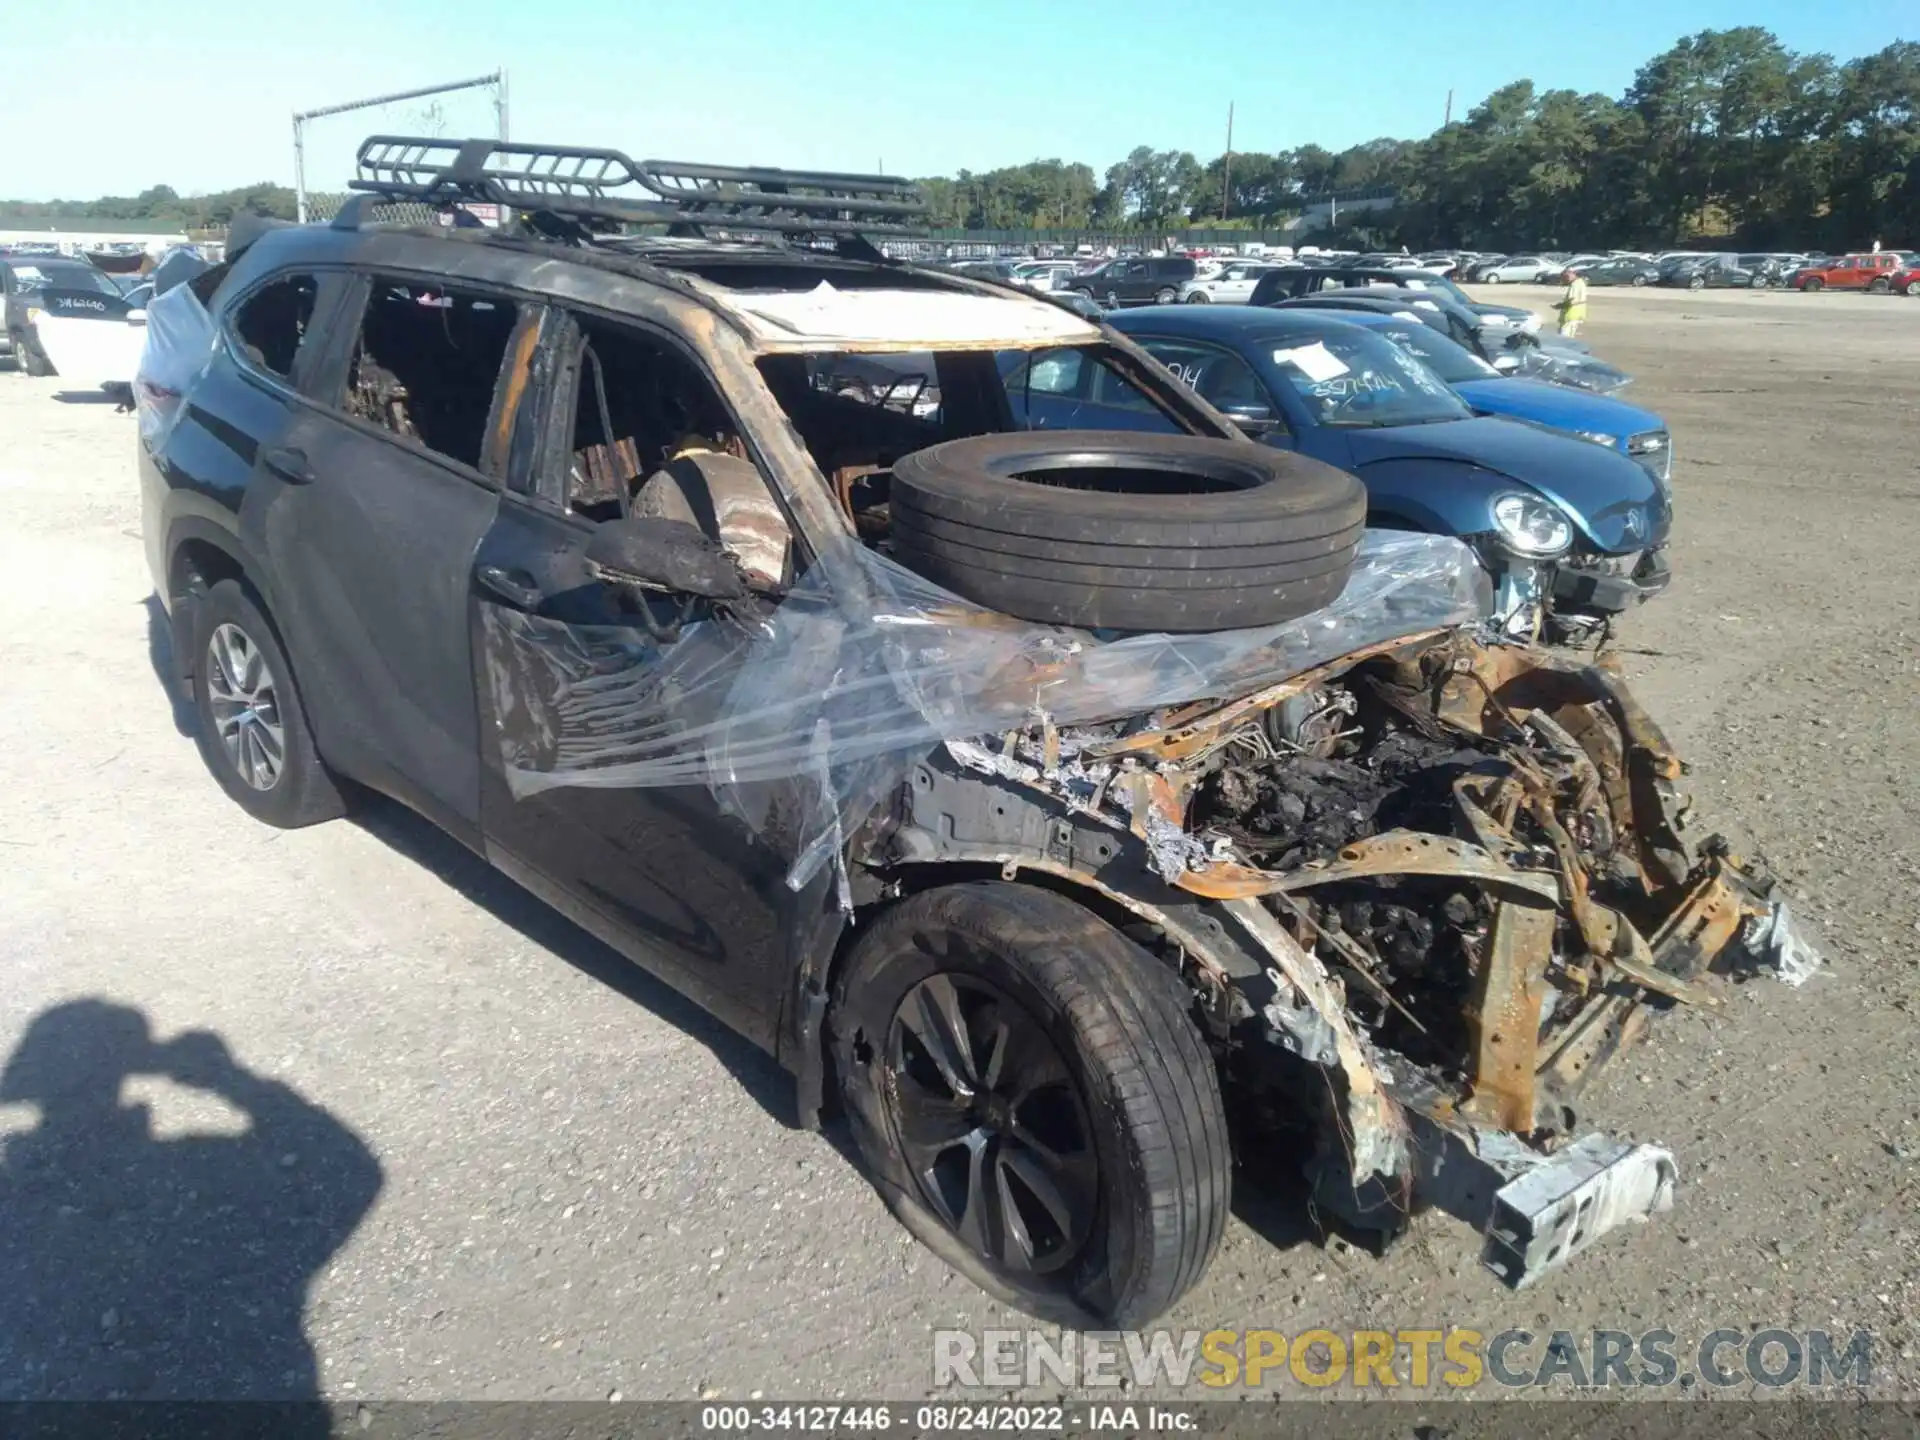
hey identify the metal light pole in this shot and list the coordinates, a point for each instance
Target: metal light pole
(498, 80)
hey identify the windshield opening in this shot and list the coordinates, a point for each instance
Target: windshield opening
(1361, 381)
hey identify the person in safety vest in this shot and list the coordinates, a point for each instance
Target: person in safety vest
(1573, 304)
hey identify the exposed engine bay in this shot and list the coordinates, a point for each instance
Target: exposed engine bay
(1458, 871)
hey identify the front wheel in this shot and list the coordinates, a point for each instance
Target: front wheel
(1034, 1101)
(1696, 283)
(1809, 286)
(1639, 282)
(1913, 287)
(1199, 297)
(253, 731)
(1492, 280)
(30, 358)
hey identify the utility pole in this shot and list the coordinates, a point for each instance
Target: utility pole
(1226, 170)
(1449, 120)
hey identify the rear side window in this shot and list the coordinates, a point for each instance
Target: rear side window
(271, 322)
(426, 362)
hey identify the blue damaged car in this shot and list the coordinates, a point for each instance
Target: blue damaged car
(1638, 434)
(1573, 533)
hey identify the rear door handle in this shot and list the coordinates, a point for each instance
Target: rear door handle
(516, 587)
(289, 462)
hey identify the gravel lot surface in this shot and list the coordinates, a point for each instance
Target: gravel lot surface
(468, 1153)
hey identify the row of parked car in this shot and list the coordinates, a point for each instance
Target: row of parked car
(1139, 279)
(1877, 271)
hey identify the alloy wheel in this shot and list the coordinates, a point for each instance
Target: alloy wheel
(246, 707)
(991, 1124)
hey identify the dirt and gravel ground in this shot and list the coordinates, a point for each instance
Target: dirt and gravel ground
(548, 1177)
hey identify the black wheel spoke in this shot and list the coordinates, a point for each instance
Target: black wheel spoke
(929, 1123)
(936, 1022)
(1041, 1179)
(975, 1224)
(1017, 1249)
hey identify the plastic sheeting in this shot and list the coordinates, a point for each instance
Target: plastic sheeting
(800, 725)
(179, 345)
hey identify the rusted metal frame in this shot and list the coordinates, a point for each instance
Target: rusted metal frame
(1372, 1128)
(1509, 988)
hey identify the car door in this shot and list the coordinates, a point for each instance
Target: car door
(370, 507)
(655, 867)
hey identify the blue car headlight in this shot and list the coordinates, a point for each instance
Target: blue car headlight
(1530, 526)
(1599, 437)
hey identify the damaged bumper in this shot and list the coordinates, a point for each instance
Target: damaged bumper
(1610, 588)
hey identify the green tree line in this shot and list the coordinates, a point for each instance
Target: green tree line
(1726, 133)
(155, 207)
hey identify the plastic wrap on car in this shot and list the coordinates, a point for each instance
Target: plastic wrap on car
(801, 723)
(179, 345)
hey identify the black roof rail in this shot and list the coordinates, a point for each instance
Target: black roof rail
(595, 185)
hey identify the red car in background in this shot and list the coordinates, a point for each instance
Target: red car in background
(1852, 272)
(1906, 281)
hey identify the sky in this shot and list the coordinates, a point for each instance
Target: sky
(110, 96)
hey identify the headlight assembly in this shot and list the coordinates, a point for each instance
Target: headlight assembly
(1599, 437)
(1528, 525)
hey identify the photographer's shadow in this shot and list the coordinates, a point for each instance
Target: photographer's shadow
(136, 1265)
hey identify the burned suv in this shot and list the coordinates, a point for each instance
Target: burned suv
(1035, 799)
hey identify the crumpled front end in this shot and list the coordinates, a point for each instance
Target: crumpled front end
(1422, 884)
(1463, 870)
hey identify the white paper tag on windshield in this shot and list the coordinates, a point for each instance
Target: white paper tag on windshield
(1314, 361)
(27, 272)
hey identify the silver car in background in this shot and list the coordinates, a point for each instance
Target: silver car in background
(1231, 284)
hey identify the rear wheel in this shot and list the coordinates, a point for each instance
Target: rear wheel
(1696, 282)
(253, 731)
(1880, 285)
(1913, 287)
(1034, 1101)
(1492, 279)
(1164, 295)
(1639, 282)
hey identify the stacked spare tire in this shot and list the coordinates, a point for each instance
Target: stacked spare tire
(1121, 531)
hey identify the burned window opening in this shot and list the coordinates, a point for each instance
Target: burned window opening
(652, 439)
(273, 321)
(427, 363)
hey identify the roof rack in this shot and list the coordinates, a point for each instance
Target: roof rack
(584, 184)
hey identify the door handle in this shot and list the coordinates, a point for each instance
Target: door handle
(514, 586)
(289, 462)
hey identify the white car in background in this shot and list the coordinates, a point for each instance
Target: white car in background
(1232, 284)
(1041, 274)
